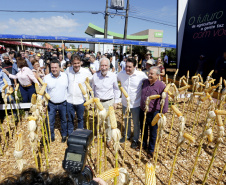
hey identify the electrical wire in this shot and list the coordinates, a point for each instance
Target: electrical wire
(93, 12)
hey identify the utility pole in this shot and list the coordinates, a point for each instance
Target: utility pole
(125, 29)
(106, 21)
(126, 20)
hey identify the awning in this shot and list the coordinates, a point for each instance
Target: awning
(19, 43)
(59, 39)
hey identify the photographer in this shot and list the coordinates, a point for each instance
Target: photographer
(32, 176)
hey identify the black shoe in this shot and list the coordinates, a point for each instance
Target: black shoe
(63, 140)
(134, 144)
(52, 140)
(122, 140)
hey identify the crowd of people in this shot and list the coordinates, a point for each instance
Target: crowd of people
(64, 74)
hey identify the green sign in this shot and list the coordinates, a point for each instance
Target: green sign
(159, 34)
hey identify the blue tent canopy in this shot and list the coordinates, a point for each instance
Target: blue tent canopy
(37, 38)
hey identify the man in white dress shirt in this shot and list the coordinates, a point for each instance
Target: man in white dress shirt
(105, 87)
(131, 80)
(75, 100)
(57, 84)
(94, 64)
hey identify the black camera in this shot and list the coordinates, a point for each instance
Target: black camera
(86, 62)
(47, 56)
(75, 157)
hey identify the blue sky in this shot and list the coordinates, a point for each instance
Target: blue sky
(66, 24)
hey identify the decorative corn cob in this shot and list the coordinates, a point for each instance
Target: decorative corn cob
(155, 120)
(194, 77)
(176, 110)
(33, 99)
(33, 102)
(184, 82)
(82, 89)
(167, 88)
(189, 137)
(220, 112)
(174, 77)
(161, 126)
(219, 91)
(112, 117)
(201, 84)
(18, 152)
(212, 81)
(41, 92)
(47, 96)
(211, 72)
(167, 79)
(109, 174)
(150, 178)
(124, 92)
(198, 93)
(147, 102)
(17, 87)
(5, 82)
(152, 97)
(88, 102)
(219, 120)
(210, 137)
(184, 88)
(88, 86)
(40, 80)
(98, 104)
(170, 93)
(37, 89)
(204, 98)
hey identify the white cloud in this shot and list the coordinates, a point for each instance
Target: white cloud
(55, 25)
(3, 27)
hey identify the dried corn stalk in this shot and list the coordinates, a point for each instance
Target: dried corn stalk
(219, 140)
(18, 152)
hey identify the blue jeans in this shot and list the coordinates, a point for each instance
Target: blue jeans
(152, 129)
(71, 109)
(26, 93)
(61, 108)
(135, 116)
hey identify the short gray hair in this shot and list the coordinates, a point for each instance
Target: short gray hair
(5, 55)
(156, 68)
(92, 56)
(105, 59)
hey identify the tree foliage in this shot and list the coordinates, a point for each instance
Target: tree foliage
(140, 51)
(171, 53)
(72, 46)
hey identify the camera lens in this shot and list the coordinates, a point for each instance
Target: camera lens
(87, 173)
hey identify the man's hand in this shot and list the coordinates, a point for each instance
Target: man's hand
(100, 181)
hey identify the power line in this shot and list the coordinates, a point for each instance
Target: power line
(92, 12)
(48, 11)
(145, 19)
